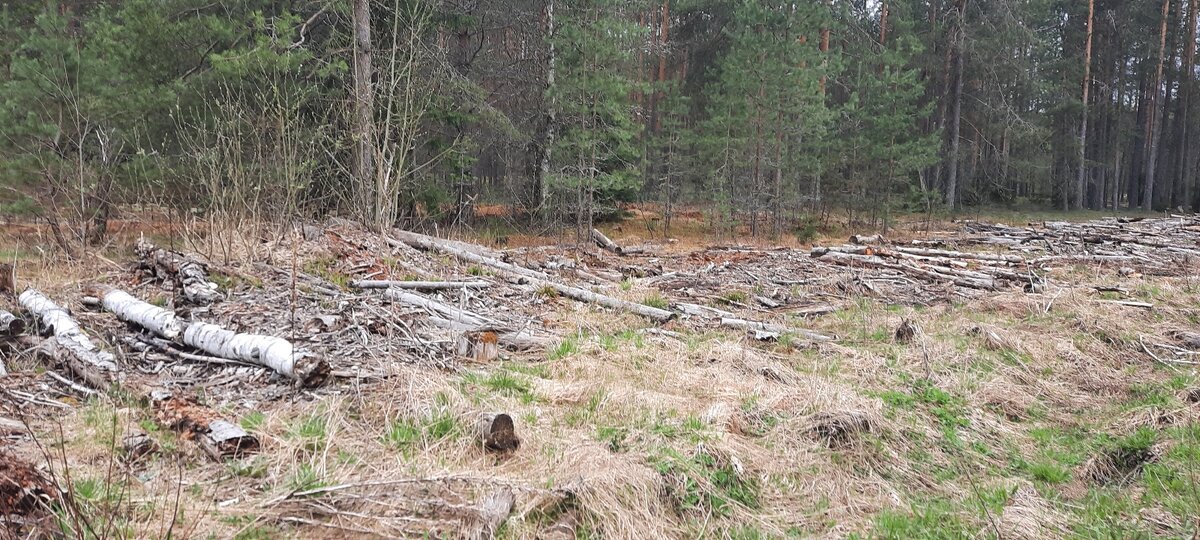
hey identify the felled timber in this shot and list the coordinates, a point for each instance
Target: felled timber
(866, 239)
(756, 326)
(450, 247)
(605, 242)
(928, 252)
(520, 340)
(219, 438)
(496, 432)
(68, 342)
(539, 279)
(270, 351)
(188, 274)
(10, 325)
(931, 273)
(418, 285)
(273, 352)
(450, 312)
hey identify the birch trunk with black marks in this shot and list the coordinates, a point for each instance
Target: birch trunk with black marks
(10, 325)
(68, 342)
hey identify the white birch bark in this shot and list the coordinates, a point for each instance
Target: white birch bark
(67, 333)
(273, 352)
(148, 316)
(10, 325)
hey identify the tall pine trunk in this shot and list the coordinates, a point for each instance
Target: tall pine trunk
(362, 166)
(1081, 172)
(1151, 151)
(956, 113)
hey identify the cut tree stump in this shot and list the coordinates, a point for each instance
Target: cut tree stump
(496, 433)
(10, 325)
(189, 275)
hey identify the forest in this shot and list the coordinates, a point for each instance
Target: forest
(580, 269)
(766, 115)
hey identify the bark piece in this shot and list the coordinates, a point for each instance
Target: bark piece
(497, 433)
(8, 279)
(26, 494)
(273, 352)
(219, 438)
(189, 275)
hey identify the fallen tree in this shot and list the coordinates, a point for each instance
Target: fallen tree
(418, 285)
(189, 275)
(219, 438)
(538, 279)
(269, 351)
(68, 342)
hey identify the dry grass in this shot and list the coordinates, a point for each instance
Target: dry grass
(965, 429)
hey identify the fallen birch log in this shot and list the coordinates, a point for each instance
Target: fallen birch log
(188, 274)
(866, 239)
(605, 242)
(742, 324)
(429, 243)
(10, 325)
(273, 352)
(492, 512)
(540, 279)
(496, 432)
(418, 285)
(83, 357)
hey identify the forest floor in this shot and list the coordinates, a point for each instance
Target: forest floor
(1067, 407)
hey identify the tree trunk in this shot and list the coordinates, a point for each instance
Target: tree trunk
(662, 64)
(1186, 87)
(1152, 114)
(1081, 171)
(362, 166)
(956, 114)
(544, 173)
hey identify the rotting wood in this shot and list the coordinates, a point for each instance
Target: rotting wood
(83, 357)
(496, 432)
(418, 285)
(26, 495)
(480, 346)
(538, 279)
(219, 438)
(188, 274)
(756, 326)
(8, 279)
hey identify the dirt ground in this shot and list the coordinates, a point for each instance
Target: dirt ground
(1064, 406)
